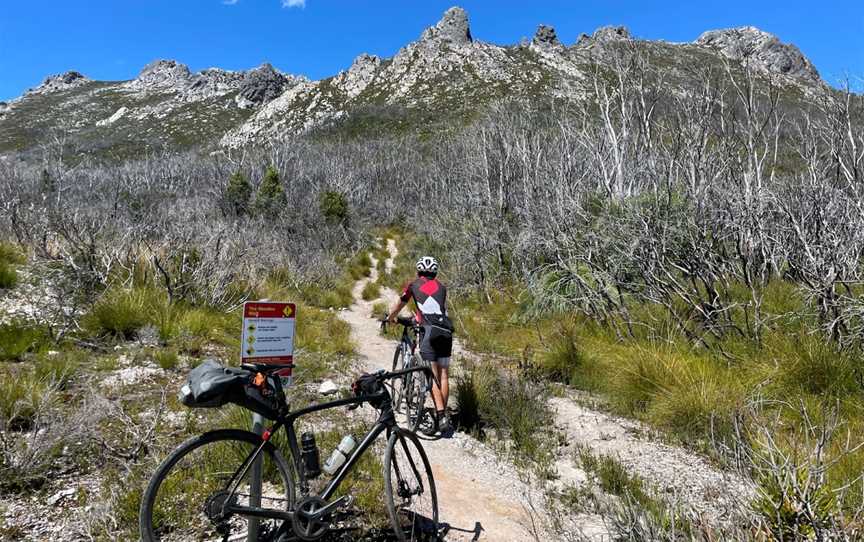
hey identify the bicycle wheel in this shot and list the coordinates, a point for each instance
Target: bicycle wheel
(412, 502)
(418, 416)
(397, 385)
(184, 499)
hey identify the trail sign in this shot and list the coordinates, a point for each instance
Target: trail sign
(268, 333)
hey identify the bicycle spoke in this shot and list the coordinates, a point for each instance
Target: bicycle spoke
(414, 507)
(194, 502)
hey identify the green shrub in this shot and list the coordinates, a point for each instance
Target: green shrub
(166, 359)
(379, 310)
(468, 402)
(371, 290)
(524, 418)
(119, 313)
(237, 195)
(271, 196)
(59, 368)
(11, 254)
(18, 338)
(21, 397)
(8, 276)
(334, 207)
(360, 266)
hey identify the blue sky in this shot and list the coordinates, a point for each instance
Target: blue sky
(114, 39)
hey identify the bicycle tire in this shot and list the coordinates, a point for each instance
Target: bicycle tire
(411, 473)
(245, 440)
(397, 385)
(417, 416)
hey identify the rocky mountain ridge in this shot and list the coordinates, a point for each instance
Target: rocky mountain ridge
(444, 73)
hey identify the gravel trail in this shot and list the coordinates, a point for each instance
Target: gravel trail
(482, 497)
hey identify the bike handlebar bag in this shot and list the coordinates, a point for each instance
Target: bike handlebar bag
(211, 385)
(371, 388)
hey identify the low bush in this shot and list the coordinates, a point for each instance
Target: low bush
(360, 266)
(19, 338)
(166, 358)
(22, 395)
(59, 369)
(524, 419)
(8, 276)
(119, 313)
(372, 290)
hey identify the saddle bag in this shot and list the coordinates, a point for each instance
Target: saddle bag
(212, 385)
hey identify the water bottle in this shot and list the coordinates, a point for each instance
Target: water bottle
(340, 455)
(309, 455)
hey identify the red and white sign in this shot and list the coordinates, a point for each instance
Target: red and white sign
(268, 333)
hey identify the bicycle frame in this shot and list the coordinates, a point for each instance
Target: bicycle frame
(386, 422)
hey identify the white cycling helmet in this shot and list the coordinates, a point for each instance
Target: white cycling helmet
(427, 264)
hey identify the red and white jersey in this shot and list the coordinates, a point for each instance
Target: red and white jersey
(429, 295)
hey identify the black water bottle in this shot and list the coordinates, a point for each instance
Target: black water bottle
(309, 455)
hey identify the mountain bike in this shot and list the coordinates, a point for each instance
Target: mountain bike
(412, 390)
(205, 489)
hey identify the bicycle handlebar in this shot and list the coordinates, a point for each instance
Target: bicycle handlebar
(404, 321)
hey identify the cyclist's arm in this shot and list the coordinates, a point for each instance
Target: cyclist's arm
(404, 297)
(394, 312)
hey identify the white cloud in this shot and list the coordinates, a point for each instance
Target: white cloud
(230, 2)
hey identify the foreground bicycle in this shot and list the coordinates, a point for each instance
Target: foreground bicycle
(411, 390)
(206, 489)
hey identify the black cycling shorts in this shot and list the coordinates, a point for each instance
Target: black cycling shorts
(435, 343)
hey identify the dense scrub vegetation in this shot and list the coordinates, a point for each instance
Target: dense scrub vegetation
(693, 254)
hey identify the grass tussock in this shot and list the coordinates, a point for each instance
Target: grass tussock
(121, 313)
(19, 338)
(372, 290)
(523, 420)
(10, 257)
(695, 395)
(22, 396)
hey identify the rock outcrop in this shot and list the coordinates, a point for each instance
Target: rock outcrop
(546, 38)
(261, 85)
(359, 75)
(603, 36)
(214, 81)
(453, 27)
(63, 81)
(761, 50)
(162, 73)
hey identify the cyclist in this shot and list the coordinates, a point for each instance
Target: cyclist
(436, 331)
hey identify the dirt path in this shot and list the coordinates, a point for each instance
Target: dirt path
(482, 497)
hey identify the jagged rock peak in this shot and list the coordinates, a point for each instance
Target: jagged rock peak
(215, 80)
(162, 73)
(611, 33)
(359, 75)
(452, 27)
(63, 81)
(365, 59)
(765, 49)
(546, 37)
(261, 85)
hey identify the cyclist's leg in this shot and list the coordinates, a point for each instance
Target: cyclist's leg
(427, 352)
(443, 377)
(437, 395)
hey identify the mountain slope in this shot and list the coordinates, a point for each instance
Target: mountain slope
(445, 76)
